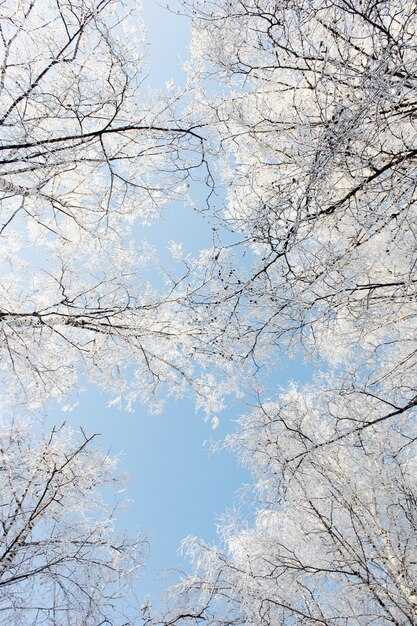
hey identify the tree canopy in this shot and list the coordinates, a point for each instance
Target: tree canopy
(85, 151)
(301, 116)
(315, 127)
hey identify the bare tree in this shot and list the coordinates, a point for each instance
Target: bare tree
(316, 123)
(85, 150)
(61, 560)
(334, 545)
(316, 120)
(81, 146)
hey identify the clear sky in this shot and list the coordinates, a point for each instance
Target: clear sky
(176, 487)
(169, 36)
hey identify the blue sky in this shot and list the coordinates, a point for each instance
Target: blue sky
(176, 487)
(169, 36)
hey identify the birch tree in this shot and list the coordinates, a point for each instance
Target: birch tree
(331, 531)
(337, 546)
(61, 561)
(316, 122)
(316, 117)
(86, 149)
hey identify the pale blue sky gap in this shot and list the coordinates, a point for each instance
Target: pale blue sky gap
(176, 487)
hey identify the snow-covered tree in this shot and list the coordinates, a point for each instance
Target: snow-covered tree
(335, 546)
(315, 121)
(86, 150)
(61, 560)
(316, 116)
